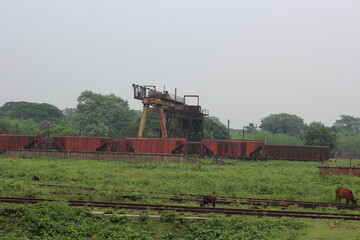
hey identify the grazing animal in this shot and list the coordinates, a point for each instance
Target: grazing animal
(35, 178)
(207, 200)
(345, 193)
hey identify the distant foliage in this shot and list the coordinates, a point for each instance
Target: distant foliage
(268, 137)
(348, 146)
(5, 126)
(283, 123)
(250, 128)
(49, 129)
(347, 123)
(103, 115)
(271, 138)
(37, 111)
(320, 136)
(316, 124)
(32, 118)
(19, 126)
(214, 129)
(70, 114)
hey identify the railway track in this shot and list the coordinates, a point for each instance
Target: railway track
(181, 197)
(198, 210)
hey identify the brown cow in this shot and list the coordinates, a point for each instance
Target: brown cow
(207, 200)
(344, 193)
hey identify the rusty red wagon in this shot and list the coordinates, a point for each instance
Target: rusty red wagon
(17, 141)
(82, 143)
(157, 145)
(297, 152)
(234, 148)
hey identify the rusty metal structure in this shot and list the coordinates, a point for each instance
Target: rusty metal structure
(172, 110)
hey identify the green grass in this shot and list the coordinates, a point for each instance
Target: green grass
(113, 180)
(332, 230)
(57, 221)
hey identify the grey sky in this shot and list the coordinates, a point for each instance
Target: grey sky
(245, 59)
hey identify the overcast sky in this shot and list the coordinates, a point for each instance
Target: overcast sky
(245, 59)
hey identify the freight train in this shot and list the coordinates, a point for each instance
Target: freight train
(240, 149)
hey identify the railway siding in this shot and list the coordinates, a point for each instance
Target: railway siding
(198, 210)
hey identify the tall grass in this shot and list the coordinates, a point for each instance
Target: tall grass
(113, 179)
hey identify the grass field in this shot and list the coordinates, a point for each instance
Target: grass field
(112, 180)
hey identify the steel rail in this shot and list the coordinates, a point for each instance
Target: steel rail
(234, 200)
(260, 201)
(179, 208)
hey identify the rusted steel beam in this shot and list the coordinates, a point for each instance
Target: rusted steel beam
(143, 120)
(162, 123)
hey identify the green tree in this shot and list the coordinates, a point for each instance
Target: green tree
(70, 114)
(5, 125)
(49, 129)
(283, 123)
(316, 124)
(103, 115)
(250, 128)
(23, 126)
(268, 137)
(320, 136)
(37, 111)
(348, 145)
(347, 123)
(214, 129)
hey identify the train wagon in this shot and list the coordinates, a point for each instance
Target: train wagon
(234, 148)
(119, 145)
(157, 145)
(297, 152)
(82, 143)
(245, 149)
(17, 141)
(195, 148)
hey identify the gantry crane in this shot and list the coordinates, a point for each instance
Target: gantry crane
(189, 118)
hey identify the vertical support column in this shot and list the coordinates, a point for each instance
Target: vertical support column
(180, 132)
(202, 128)
(190, 130)
(162, 121)
(143, 120)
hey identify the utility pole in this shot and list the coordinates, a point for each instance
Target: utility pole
(255, 130)
(228, 128)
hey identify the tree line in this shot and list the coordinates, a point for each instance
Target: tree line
(109, 115)
(343, 137)
(94, 115)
